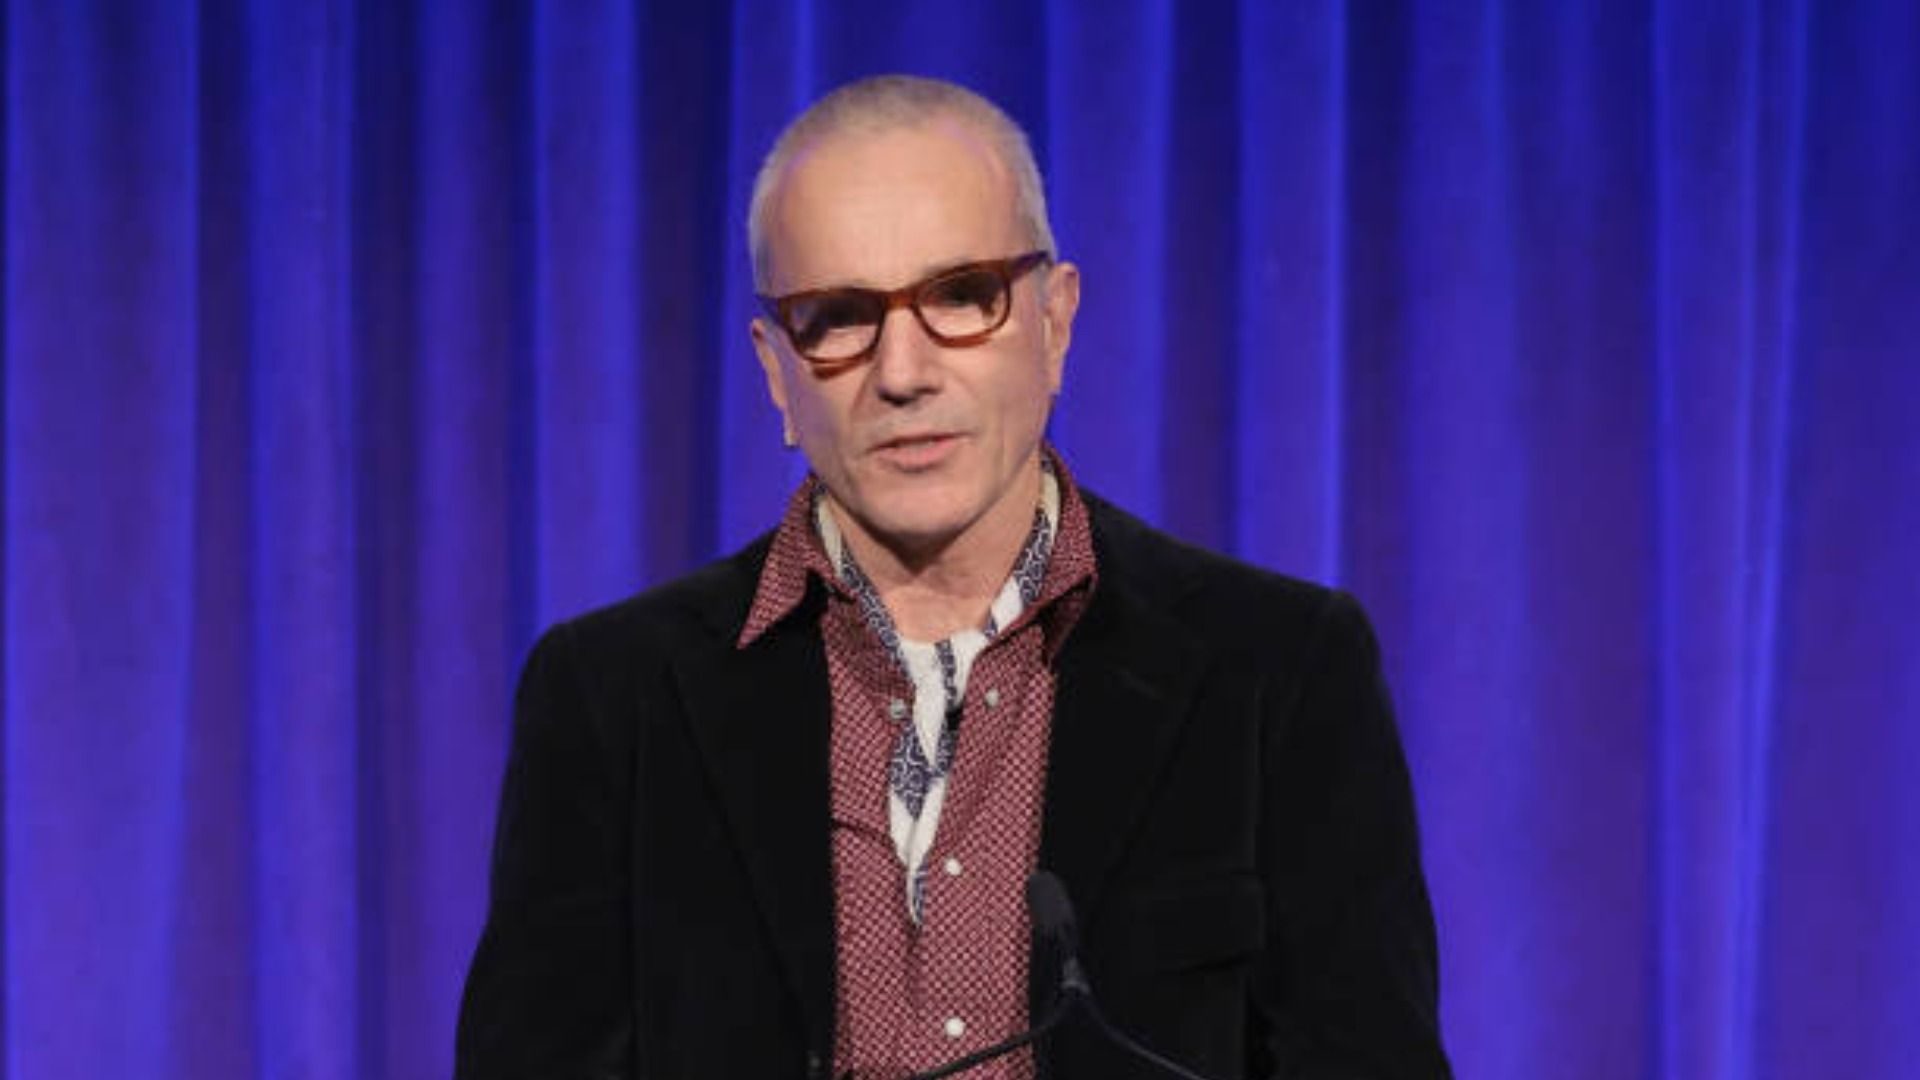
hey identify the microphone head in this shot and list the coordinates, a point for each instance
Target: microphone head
(1052, 912)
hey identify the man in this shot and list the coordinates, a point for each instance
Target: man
(777, 818)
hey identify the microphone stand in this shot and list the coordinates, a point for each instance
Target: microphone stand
(1069, 998)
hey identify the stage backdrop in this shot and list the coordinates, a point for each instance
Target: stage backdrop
(349, 343)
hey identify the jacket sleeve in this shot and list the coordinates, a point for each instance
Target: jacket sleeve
(1349, 987)
(548, 994)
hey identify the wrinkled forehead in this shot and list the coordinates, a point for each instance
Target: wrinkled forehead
(884, 206)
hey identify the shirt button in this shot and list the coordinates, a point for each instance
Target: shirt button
(953, 867)
(897, 709)
(993, 697)
(955, 1027)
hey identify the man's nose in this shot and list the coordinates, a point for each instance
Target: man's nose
(906, 360)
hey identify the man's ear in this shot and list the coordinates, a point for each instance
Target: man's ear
(769, 354)
(1061, 301)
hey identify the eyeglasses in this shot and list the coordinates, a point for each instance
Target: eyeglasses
(958, 307)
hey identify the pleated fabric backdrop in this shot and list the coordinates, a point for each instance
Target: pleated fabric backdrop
(349, 342)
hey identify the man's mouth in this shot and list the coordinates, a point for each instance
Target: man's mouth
(920, 451)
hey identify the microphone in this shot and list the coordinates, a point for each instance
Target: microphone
(1053, 919)
(1055, 924)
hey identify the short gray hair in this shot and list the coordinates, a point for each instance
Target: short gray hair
(885, 102)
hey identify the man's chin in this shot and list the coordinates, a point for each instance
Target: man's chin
(914, 528)
(919, 534)
(924, 520)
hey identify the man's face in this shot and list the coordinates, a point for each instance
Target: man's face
(921, 442)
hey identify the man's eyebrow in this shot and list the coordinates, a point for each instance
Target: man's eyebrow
(926, 273)
(952, 264)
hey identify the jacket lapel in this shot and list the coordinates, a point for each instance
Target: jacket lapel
(1127, 678)
(761, 717)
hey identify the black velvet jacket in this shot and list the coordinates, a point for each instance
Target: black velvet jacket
(1226, 802)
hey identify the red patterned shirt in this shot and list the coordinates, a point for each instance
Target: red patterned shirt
(915, 996)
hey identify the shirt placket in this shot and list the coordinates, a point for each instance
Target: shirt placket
(974, 872)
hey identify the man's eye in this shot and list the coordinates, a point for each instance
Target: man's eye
(968, 289)
(831, 314)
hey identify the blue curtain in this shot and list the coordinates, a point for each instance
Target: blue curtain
(349, 342)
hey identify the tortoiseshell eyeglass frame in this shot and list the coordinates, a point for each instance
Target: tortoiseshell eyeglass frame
(1008, 270)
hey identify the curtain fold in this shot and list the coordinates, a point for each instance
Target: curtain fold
(348, 344)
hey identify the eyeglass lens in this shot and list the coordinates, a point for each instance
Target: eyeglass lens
(956, 308)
